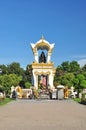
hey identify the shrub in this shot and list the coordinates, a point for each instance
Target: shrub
(83, 99)
(27, 85)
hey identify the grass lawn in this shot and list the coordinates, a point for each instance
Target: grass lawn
(6, 100)
(77, 100)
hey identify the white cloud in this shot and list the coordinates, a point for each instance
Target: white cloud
(80, 56)
(82, 62)
(81, 59)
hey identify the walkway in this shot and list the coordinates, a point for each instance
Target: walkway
(43, 115)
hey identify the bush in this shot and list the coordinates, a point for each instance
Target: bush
(27, 85)
(83, 99)
(2, 89)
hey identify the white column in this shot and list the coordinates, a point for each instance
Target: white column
(35, 77)
(51, 80)
(49, 57)
(36, 56)
(35, 82)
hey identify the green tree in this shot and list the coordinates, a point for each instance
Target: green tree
(67, 79)
(74, 67)
(80, 77)
(75, 82)
(84, 68)
(4, 69)
(83, 84)
(14, 68)
(83, 71)
(66, 66)
(59, 71)
(27, 76)
(6, 81)
(64, 81)
(80, 82)
(58, 74)
(28, 73)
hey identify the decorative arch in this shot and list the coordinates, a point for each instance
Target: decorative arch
(43, 45)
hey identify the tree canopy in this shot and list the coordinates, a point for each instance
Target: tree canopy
(68, 74)
(13, 74)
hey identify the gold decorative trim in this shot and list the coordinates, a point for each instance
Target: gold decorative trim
(42, 64)
(42, 72)
(54, 70)
(42, 45)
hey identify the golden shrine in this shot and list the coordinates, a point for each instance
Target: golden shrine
(42, 68)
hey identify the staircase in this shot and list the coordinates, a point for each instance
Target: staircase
(44, 95)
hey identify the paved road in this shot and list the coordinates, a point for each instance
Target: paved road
(43, 115)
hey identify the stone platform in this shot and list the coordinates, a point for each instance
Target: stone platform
(44, 95)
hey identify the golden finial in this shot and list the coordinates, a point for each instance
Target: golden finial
(42, 37)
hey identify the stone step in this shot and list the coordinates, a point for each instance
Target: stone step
(44, 96)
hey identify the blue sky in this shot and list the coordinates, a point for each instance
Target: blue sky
(62, 22)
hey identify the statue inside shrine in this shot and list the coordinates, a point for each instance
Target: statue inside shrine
(43, 82)
(42, 58)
